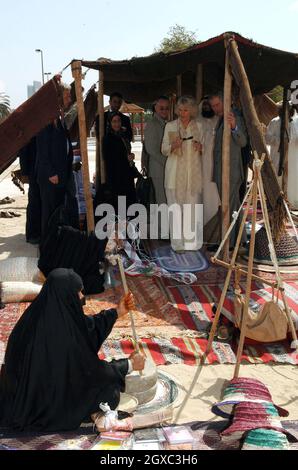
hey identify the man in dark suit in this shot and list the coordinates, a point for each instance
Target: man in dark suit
(116, 100)
(27, 156)
(54, 157)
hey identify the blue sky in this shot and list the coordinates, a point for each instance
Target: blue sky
(89, 29)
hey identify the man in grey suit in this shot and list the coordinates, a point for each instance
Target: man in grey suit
(152, 159)
(238, 141)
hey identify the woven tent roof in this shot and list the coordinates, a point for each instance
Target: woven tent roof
(141, 79)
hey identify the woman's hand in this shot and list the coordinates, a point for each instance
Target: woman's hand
(126, 304)
(131, 157)
(198, 146)
(176, 144)
(137, 361)
(54, 179)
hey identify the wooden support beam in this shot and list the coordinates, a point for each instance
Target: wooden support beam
(76, 68)
(284, 143)
(226, 150)
(240, 269)
(101, 171)
(179, 86)
(132, 126)
(142, 127)
(199, 84)
(273, 191)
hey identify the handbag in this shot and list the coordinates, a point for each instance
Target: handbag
(145, 190)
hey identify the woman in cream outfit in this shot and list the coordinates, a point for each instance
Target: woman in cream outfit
(182, 144)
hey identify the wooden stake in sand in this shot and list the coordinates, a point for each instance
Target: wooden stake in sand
(199, 83)
(226, 150)
(76, 68)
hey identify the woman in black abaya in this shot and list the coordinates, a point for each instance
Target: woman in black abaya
(52, 378)
(120, 168)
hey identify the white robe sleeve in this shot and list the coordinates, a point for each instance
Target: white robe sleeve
(273, 133)
(166, 145)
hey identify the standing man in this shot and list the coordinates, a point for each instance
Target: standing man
(208, 121)
(273, 139)
(238, 141)
(116, 100)
(153, 160)
(54, 157)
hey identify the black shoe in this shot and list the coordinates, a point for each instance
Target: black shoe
(34, 241)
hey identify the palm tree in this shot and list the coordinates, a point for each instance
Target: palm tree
(4, 106)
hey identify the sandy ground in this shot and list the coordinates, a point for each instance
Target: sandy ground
(281, 380)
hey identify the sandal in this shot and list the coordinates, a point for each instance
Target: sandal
(6, 215)
(15, 214)
(7, 200)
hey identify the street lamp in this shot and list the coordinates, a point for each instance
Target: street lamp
(48, 74)
(41, 54)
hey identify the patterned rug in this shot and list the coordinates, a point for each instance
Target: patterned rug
(175, 332)
(206, 437)
(193, 262)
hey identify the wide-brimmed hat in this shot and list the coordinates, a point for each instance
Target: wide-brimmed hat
(250, 416)
(244, 390)
(265, 439)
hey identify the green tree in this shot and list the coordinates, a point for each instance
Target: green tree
(178, 38)
(4, 106)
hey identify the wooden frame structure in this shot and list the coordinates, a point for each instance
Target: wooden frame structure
(172, 71)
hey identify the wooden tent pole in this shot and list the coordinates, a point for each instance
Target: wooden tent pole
(132, 126)
(179, 86)
(142, 127)
(199, 83)
(101, 164)
(218, 311)
(226, 150)
(257, 140)
(76, 68)
(284, 143)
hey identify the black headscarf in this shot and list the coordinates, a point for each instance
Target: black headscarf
(52, 378)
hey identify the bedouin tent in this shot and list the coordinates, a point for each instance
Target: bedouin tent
(228, 61)
(198, 70)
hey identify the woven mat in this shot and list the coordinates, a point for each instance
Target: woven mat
(206, 437)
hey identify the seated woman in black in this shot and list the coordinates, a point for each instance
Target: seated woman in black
(120, 168)
(52, 378)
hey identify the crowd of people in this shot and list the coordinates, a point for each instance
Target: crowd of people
(183, 158)
(52, 379)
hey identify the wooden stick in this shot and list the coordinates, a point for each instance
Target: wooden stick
(101, 163)
(279, 277)
(226, 149)
(284, 143)
(249, 275)
(132, 126)
(76, 68)
(239, 269)
(218, 312)
(142, 127)
(179, 86)
(199, 83)
(126, 290)
(257, 139)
